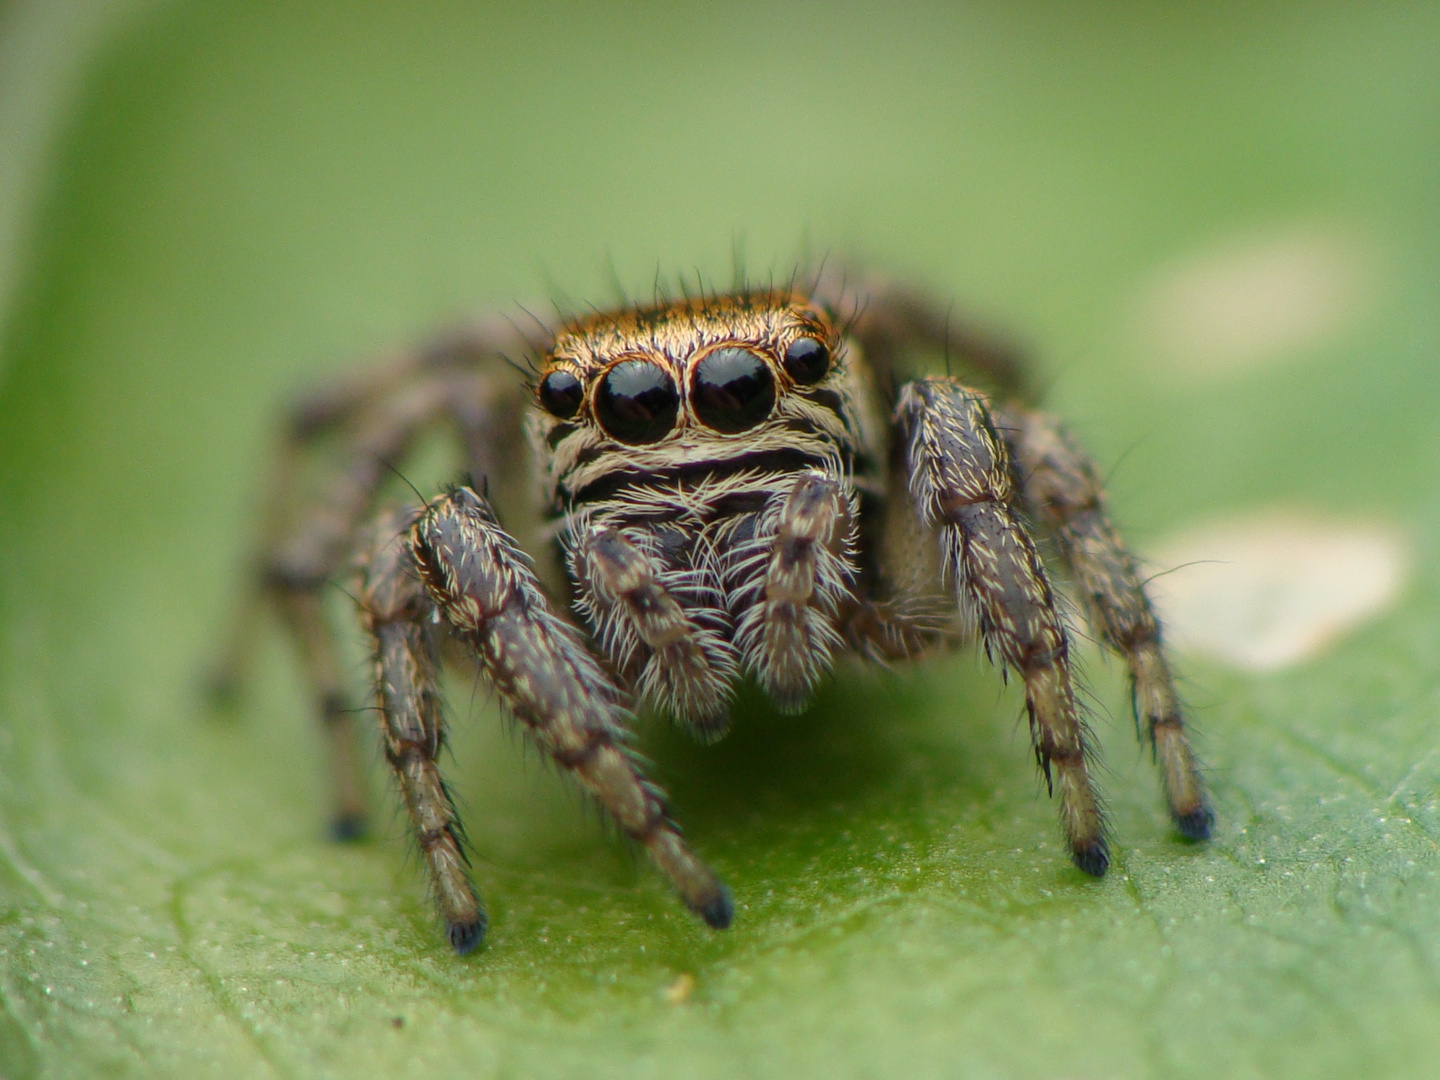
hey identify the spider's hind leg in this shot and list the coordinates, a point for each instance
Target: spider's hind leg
(960, 483)
(891, 320)
(307, 549)
(397, 616)
(369, 421)
(1060, 488)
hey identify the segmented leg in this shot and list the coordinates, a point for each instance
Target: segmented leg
(1059, 485)
(374, 418)
(407, 665)
(960, 482)
(548, 679)
(300, 569)
(301, 610)
(322, 542)
(789, 581)
(679, 664)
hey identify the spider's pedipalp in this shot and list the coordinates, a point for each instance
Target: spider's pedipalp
(791, 578)
(684, 667)
(1060, 488)
(547, 678)
(959, 479)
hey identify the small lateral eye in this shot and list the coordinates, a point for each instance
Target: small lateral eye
(561, 393)
(732, 390)
(807, 360)
(636, 402)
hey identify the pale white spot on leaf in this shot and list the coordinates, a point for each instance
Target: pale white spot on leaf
(1273, 589)
(1254, 300)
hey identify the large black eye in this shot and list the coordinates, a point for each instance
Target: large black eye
(636, 402)
(732, 390)
(561, 393)
(807, 360)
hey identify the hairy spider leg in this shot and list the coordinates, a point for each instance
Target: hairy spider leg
(375, 417)
(547, 678)
(407, 668)
(961, 485)
(1062, 493)
(1061, 490)
(889, 319)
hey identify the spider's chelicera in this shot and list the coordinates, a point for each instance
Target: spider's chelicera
(736, 486)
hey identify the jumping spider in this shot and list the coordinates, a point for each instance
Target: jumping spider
(734, 485)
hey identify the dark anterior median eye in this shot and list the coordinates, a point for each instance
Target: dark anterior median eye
(807, 360)
(732, 390)
(636, 402)
(561, 393)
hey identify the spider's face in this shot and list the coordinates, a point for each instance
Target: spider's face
(697, 383)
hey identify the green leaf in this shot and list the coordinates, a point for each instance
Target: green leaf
(250, 196)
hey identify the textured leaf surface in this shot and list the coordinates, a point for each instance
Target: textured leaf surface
(253, 196)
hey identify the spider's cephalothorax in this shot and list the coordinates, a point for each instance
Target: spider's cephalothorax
(734, 493)
(702, 460)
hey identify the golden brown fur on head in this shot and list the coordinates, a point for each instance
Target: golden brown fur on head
(674, 332)
(816, 416)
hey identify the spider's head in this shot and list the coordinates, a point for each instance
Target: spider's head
(685, 385)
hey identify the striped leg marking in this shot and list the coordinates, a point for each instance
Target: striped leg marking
(1061, 489)
(543, 672)
(406, 690)
(794, 574)
(960, 482)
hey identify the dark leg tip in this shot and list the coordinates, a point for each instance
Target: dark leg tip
(719, 910)
(348, 828)
(466, 936)
(1198, 824)
(1093, 858)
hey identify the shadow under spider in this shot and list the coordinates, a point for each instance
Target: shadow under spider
(866, 737)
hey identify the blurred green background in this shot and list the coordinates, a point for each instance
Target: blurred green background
(207, 206)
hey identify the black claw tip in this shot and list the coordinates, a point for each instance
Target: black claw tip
(347, 828)
(465, 936)
(1093, 858)
(1198, 824)
(719, 910)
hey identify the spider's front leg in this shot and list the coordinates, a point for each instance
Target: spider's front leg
(474, 573)
(960, 481)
